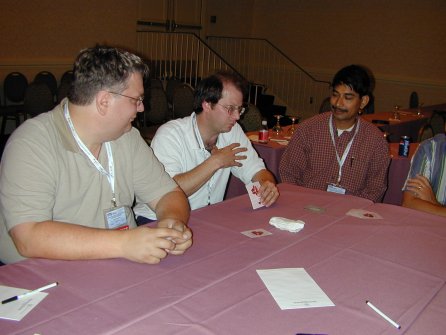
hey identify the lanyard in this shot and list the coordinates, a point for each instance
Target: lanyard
(111, 166)
(211, 181)
(341, 160)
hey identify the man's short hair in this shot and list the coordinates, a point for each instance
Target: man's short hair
(210, 89)
(354, 76)
(103, 68)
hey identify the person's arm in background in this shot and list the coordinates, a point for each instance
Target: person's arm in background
(420, 196)
(376, 180)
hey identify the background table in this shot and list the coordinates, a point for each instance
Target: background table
(398, 263)
(409, 124)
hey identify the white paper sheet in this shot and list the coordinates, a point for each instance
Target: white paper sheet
(294, 288)
(16, 310)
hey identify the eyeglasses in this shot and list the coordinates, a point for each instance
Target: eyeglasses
(139, 100)
(231, 109)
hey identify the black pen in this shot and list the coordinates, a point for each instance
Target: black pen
(24, 295)
(351, 161)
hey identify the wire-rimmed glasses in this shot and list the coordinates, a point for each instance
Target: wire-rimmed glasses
(138, 100)
(231, 109)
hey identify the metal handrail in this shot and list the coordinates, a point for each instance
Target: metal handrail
(263, 63)
(181, 55)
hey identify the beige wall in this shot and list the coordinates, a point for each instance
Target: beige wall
(403, 42)
(234, 18)
(47, 35)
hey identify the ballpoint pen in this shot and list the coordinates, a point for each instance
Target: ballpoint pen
(24, 295)
(384, 316)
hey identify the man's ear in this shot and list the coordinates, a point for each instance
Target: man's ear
(103, 101)
(206, 105)
(364, 101)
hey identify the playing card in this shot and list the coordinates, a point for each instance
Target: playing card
(364, 214)
(254, 194)
(315, 209)
(256, 233)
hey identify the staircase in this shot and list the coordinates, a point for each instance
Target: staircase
(266, 106)
(278, 85)
(262, 62)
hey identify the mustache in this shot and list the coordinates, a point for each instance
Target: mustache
(337, 109)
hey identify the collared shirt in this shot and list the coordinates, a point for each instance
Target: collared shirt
(310, 158)
(45, 176)
(176, 145)
(430, 161)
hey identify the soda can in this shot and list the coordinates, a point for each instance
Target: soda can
(403, 149)
(263, 135)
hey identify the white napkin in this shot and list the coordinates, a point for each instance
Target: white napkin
(293, 226)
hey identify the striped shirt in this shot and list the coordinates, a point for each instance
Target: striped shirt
(430, 161)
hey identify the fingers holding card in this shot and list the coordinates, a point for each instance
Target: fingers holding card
(254, 194)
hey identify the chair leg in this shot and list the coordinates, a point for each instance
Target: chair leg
(4, 120)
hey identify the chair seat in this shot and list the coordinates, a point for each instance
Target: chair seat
(147, 133)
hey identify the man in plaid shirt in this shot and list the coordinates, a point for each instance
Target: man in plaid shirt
(337, 151)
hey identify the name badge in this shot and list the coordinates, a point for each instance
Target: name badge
(335, 189)
(116, 218)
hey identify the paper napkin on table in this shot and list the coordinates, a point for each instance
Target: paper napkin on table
(293, 226)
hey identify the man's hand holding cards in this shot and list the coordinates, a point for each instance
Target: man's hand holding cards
(254, 194)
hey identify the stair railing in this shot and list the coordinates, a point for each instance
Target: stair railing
(181, 55)
(263, 63)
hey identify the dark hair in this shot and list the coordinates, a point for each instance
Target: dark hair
(102, 68)
(356, 77)
(210, 89)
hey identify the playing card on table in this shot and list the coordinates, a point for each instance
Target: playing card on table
(256, 233)
(315, 209)
(364, 214)
(254, 194)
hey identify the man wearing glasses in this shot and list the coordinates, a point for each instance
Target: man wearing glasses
(70, 176)
(202, 150)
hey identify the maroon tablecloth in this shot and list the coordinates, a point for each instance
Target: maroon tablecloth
(398, 263)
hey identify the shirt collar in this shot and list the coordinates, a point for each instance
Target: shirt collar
(68, 141)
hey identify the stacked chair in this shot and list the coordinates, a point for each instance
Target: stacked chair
(182, 100)
(49, 80)
(64, 86)
(38, 99)
(14, 88)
